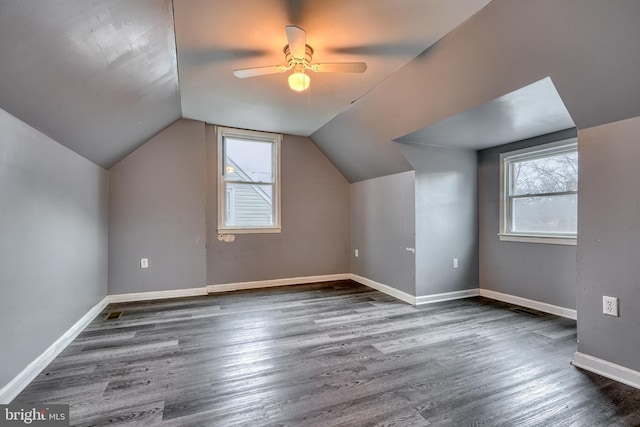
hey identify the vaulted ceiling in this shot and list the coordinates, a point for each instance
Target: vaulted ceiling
(103, 76)
(215, 37)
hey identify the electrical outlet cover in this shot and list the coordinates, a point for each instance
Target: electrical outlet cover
(610, 306)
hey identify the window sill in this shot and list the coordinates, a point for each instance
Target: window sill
(549, 240)
(270, 230)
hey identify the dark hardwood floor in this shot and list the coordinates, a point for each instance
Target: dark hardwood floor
(325, 355)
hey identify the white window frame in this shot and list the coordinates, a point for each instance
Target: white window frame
(530, 153)
(275, 140)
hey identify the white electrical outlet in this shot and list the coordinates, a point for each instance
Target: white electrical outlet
(610, 306)
(455, 263)
(356, 253)
(144, 262)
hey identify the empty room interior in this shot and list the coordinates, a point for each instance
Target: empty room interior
(281, 212)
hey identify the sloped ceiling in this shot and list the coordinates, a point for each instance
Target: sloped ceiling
(97, 76)
(101, 76)
(589, 49)
(531, 111)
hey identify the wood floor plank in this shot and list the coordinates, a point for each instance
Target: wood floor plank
(328, 354)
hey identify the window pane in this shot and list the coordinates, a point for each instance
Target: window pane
(251, 204)
(553, 174)
(549, 214)
(248, 160)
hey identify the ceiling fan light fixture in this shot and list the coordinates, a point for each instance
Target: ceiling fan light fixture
(298, 55)
(299, 81)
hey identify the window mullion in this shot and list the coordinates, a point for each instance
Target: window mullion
(249, 182)
(530, 195)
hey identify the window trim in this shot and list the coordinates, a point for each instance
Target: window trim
(276, 140)
(530, 153)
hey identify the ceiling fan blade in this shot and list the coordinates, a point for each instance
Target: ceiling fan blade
(297, 38)
(259, 71)
(340, 67)
(209, 55)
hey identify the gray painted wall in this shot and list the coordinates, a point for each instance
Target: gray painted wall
(382, 227)
(157, 211)
(539, 272)
(588, 48)
(53, 250)
(315, 222)
(609, 241)
(446, 218)
(163, 206)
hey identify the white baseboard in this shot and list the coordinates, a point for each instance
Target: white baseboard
(607, 369)
(385, 289)
(148, 296)
(536, 305)
(275, 282)
(447, 296)
(413, 300)
(28, 374)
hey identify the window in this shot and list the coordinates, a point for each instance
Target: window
(539, 194)
(248, 181)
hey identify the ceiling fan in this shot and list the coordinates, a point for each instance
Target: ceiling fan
(298, 55)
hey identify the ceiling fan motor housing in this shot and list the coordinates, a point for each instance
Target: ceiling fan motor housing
(292, 61)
